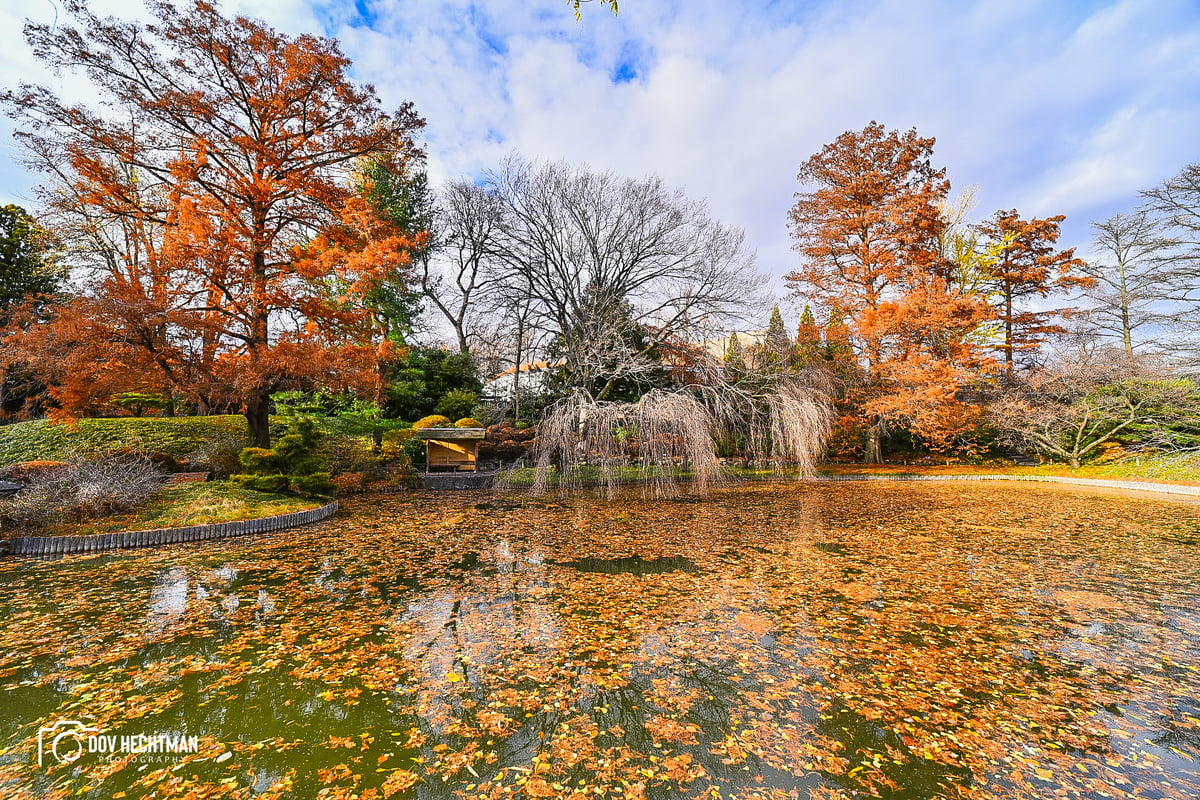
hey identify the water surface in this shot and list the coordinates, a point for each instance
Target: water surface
(827, 641)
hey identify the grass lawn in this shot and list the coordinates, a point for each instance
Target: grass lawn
(1181, 469)
(191, 504)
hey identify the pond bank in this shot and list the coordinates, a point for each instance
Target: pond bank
(87, 543)
(1139, 486)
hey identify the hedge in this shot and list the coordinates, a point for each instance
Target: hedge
(177, 437)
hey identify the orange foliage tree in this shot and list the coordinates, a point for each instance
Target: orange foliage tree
(869, 235)
(1026, 265)
(211, 204)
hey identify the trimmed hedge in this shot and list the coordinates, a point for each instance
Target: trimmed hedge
(177, 437)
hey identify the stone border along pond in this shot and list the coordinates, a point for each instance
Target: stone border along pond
(62, 545)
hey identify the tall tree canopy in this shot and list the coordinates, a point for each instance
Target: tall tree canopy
(1175, 204)
(1129, 286)
(1027, 265)
(620, 273)
(869, 234)
(211, 194)
(28, 273)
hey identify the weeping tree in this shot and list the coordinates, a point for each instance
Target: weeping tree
(668, 434)
(623, 277)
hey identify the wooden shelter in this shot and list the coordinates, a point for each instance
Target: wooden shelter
(451, 449)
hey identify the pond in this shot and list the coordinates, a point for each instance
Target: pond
(770, 641)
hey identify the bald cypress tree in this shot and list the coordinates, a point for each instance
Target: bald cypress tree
(808, 346)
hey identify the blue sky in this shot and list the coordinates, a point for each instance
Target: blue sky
(1048, 107)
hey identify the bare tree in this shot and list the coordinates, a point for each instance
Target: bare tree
(465, 267)
(618, 271)
(1088, 398)
(1176, 204)
(1129, 286)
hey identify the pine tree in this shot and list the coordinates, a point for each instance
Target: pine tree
(773, 352)
(735, 361)
(837, 337)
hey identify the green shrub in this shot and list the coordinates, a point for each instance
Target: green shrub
(292, 465)
(467, 422)
(414, 448)
(258, 460)
(140, 404)
(272, 484)
(432, 421)
(315, 484)
(457, 403)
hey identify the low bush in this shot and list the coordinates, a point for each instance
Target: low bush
(82, 490)
(468, 422)
(432, 421)
(292, 465)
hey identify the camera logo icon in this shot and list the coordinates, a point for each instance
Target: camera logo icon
(64, 740)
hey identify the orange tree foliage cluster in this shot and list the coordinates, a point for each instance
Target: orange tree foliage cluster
(908, 321)
(768, 643)
(870, 235)
(212, 201)
(1027, 265)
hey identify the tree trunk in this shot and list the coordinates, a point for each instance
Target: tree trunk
(873, 450)
(1126, 332)
(258, 420)
(517, 370)
(1008, 336)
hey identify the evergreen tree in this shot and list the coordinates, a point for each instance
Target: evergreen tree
(773, 352)
(28, 272)
(837, 338)
(735, 360)
(30, 278)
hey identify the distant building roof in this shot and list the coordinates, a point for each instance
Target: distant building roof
(531, 366)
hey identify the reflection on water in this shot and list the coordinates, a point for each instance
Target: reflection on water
(816, 642)
(168, 598)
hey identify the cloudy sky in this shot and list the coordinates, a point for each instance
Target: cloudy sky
(1055, 107)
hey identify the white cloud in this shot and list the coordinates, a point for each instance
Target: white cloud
(1046, 106)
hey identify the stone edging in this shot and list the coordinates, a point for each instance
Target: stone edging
(60, 545)
(1141, 486)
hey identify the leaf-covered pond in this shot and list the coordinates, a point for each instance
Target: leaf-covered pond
(770, 641)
